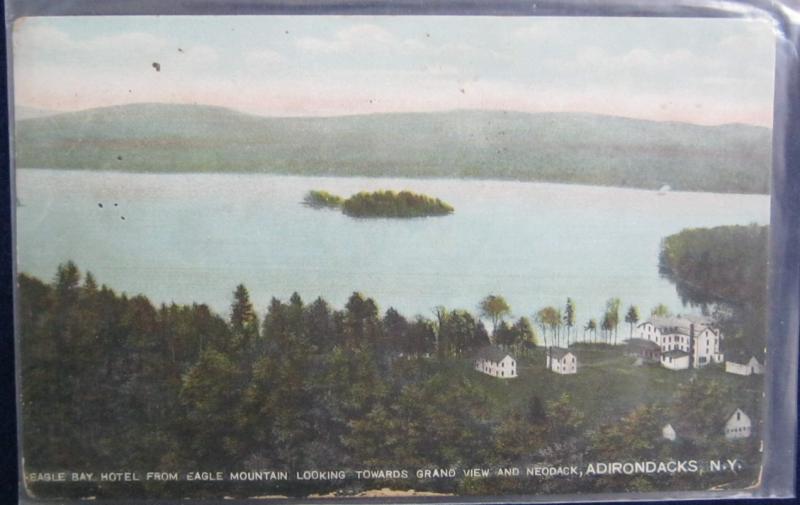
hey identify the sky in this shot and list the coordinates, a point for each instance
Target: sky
(705, 71)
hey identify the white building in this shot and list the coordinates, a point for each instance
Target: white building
(668, 432)
(751, 367)
(493, 361)
(692, 335)
(675, 360)
(562, 360)
(738, 425)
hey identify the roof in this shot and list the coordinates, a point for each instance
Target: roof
(680, 324)
(492, 353)
(675, 354)
(749, 409)
(685, 429)
(643, 344)
(559, 352)
(732, 411)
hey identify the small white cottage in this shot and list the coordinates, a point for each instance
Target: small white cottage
(751, 367)
(738, 425)
(562, 361)
(494, 361)
(675, 360)
(668, 432)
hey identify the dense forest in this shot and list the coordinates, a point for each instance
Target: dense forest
(550, 147)
(382, 203)
(723, 270)
(111, 382)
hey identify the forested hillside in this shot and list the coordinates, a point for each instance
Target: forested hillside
(114, 383)
(554, 147)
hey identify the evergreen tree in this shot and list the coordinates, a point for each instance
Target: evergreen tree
(243, 321)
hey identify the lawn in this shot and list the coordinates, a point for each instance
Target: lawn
(608, 384)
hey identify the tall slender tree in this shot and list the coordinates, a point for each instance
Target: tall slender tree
(606, 327)
(569, 317)
(591, 327)
(612, 310)
(243, 321)
(632, 317)
(550, 317)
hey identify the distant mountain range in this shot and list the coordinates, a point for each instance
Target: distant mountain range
(553, 147)
(23, 112)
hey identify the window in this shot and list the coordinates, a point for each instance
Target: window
(738, 416)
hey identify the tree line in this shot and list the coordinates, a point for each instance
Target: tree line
(723, 271)
(113, 382)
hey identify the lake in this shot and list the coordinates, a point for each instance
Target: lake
(194, 237)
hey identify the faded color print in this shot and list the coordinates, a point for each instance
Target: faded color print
(354, 256)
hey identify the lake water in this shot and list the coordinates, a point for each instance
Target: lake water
(193, 237)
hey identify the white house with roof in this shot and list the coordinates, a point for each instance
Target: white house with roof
(693, 335)
(496, 362)
(750, 367)
(738, 425)
(562, 361)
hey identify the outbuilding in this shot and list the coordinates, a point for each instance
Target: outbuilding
(750, 367)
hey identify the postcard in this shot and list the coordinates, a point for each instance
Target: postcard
(437, 257)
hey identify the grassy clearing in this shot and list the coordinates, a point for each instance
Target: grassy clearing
(608, 384)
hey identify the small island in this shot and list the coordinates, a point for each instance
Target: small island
(382, 203)
(322, 200)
